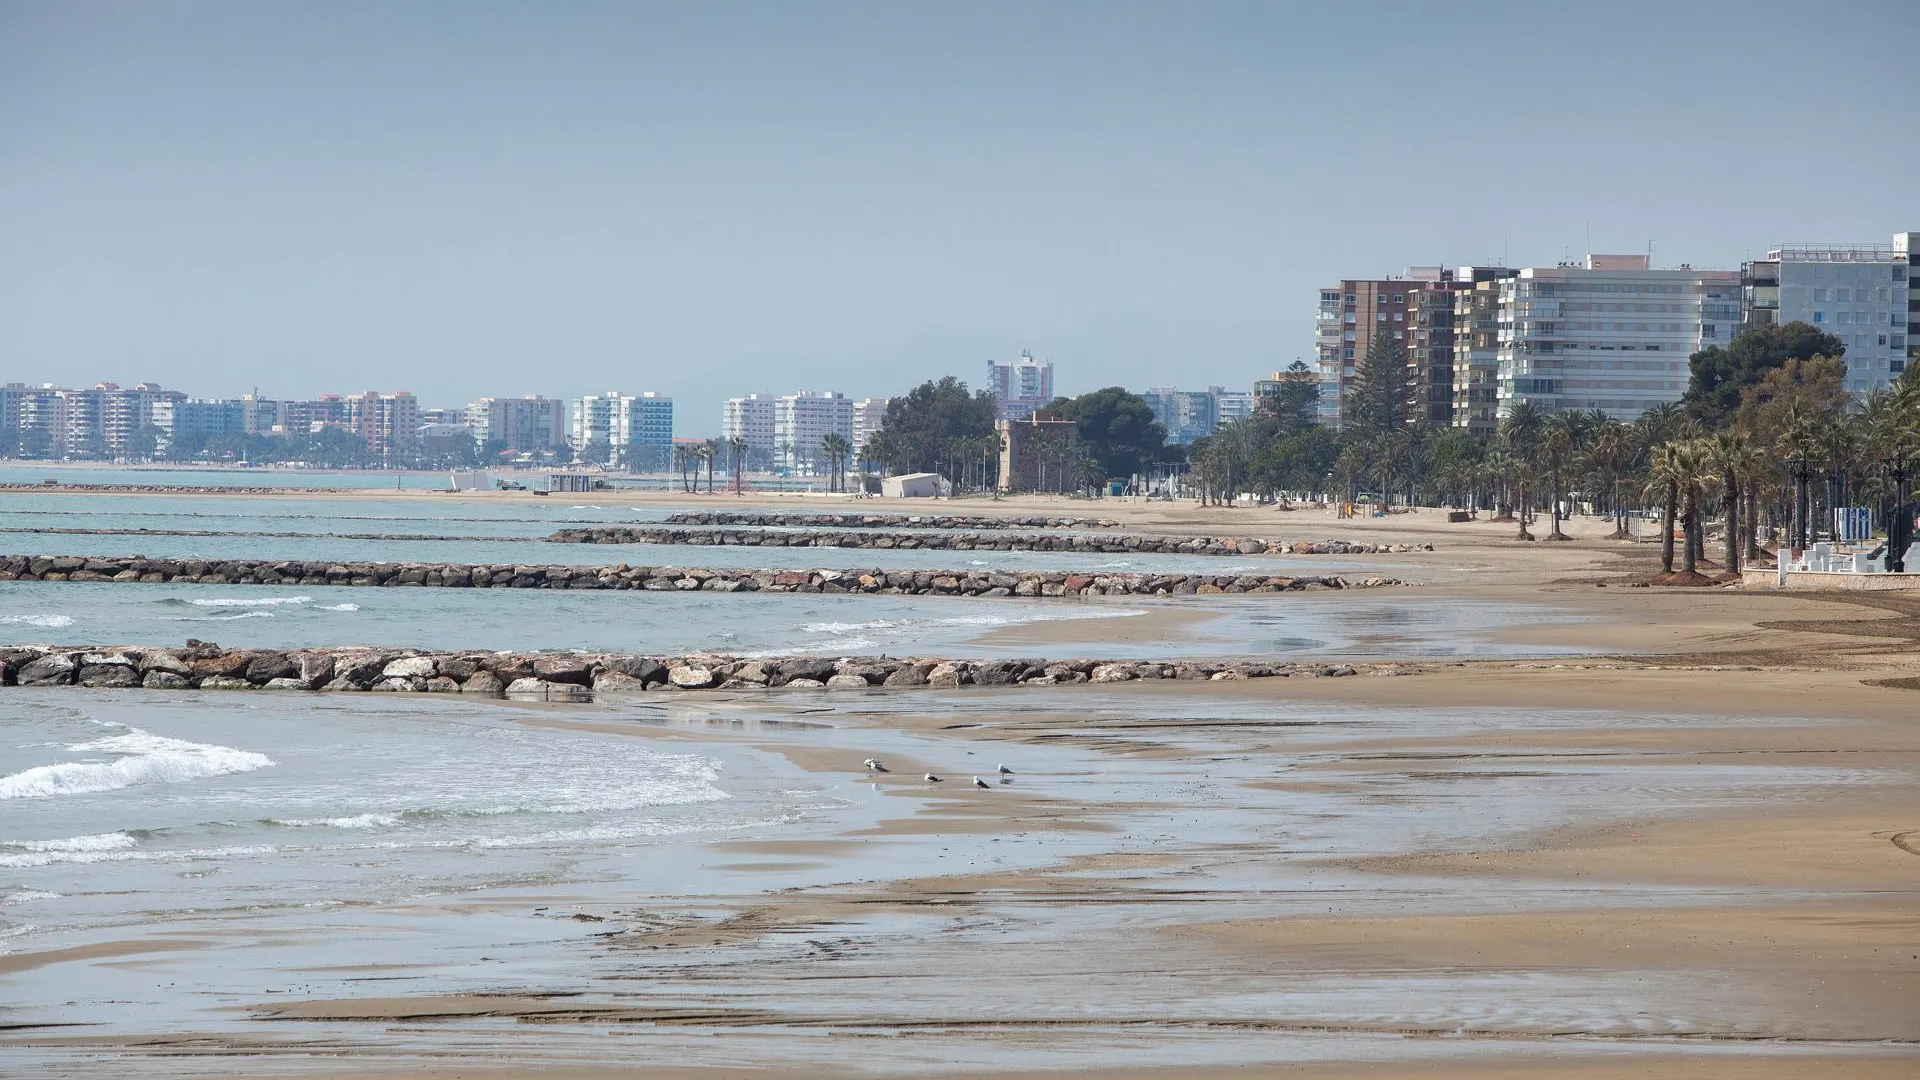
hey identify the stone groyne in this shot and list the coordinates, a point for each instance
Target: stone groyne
(1109, 543)
(980, 583)
(564, 675)
(773, 519)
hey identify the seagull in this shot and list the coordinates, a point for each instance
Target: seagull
(979, 783)
(1004, 771)
(874, 766)
(932, 779)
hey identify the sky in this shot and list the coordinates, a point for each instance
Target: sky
(475, 198)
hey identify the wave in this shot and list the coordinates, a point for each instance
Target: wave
(339, 607)
(54, 621)
(108, 841)
(149, 758)
(357, 821)
(234, 601)
(47, 858)
(228, 618)
(27, 896)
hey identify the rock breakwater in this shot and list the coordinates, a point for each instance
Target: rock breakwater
(569, 675)
(1107, 543)
(986, 584)
(773, 519)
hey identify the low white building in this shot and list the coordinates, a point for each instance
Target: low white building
(919, 485)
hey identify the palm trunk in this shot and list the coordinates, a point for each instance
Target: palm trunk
(1520, 511)
(1690, 559)
(1666, 528)
(1732, 540)
(1752, 523)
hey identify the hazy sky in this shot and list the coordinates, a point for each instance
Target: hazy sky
(474, 198)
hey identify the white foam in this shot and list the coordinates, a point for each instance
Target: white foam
(27, 896)
(149, 758)
(230, 618)
(54, 621)
(107, 841)
(234, 601)
(339, 607)
(46, 858)
(357, 821)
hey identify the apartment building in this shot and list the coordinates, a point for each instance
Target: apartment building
(1862, 295)
(637, 429)
(750, 419)
(1609, 334)
(801, 420)
(191, 423)
(524, 425)
(1476, 357)
(869, 416)
(1352, 316)
(390, 423)
(1020, 387)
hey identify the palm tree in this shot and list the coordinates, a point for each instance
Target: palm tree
(737, 458)
(1731, 454)
(1612, 452)
(835, 448)
(1666, 472)
(1560, 442)
(1522, 429)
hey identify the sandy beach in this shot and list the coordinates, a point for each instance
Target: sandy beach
(1688, 851)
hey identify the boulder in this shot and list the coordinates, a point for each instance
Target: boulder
(805, 684)
(944, 676)
(906, 676)
(165, 680)
(315, 669)
(846, 682)
(407, 667)
(400, 684)
(443, 684)
(810, 667)
(1111, 673)
(342, 684)
(224, 682)
(613, 682)
(360, 668)
(576, 670)
(753, 671)
(528, 687)
(482, 682)
(691, 676)
(164, 661)
(121, 674)
(286, 684)
(638, 667)
(265, 667)
(226, 663)
(53, 669)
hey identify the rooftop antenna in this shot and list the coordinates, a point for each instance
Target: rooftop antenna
(1589, 236)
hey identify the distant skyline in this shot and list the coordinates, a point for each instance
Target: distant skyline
(486, 199)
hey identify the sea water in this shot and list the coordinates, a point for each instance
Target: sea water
(123, 810)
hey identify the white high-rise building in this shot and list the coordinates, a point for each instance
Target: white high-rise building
(869, 416)
(802, 420)
(1021, 387)
(1858, 294)
(1610, 334)
(750, 419)
(636, 429)
(530, 424)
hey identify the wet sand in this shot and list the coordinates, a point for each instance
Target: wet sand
(1689, 854)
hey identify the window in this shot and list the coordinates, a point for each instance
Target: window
(1843, 317)
(1819, 317)
(1819, 296)
(1399, 316)
(1883, 339)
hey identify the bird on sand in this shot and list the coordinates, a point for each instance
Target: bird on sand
(1004, 771)
(932, 779)
(979, 783)
(874, 766)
